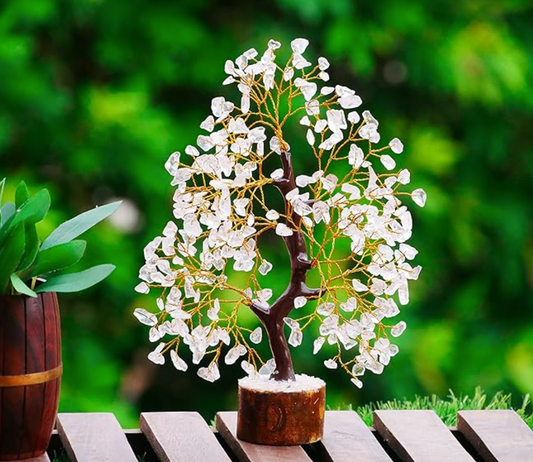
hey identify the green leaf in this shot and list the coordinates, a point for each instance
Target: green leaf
(76, 282)
(2, 186)
(34, 209)
(31, 250)
(10, 254)
(58, 257)
(76, 226)
(21, 287)
(8, 211)
(21, 194)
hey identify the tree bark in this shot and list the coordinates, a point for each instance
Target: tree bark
(272, 318)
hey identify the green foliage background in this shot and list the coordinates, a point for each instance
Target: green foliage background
(95, 94)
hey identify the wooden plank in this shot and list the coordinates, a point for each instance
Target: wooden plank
(181, 437)
(497, 435)
(94, 437)
(346, 435)
(246, 452)
(419, 436)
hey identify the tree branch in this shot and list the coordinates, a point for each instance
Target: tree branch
(272, 318)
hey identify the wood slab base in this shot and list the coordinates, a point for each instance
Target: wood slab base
(281, 418)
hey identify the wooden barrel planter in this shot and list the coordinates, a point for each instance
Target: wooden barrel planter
(30, 374)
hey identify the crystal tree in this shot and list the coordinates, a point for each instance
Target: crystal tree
(344, 222)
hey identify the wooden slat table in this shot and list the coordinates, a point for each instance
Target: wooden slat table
(398, 436)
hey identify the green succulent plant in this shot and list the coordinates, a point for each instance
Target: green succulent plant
(29, 266)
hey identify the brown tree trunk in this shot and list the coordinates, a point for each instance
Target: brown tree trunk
(280, 350)
(272, 318)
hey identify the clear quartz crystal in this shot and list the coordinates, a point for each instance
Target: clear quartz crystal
(154, 334)
(317, 344)
(234, 354)
(358, 369)
(299, 302)
(330, 364)
(398, 329)
(291, 323)
(145, 317)
(156, 357)
(256, 336)
(388, 162)
(359, 286)
(265, 267)
(210, 373)
(296, 337)
(350, 305)
(179, 363)
(396, 146)
(248, 368)
(419, 197)
(325, 309)
(283, 230)
(267, 368)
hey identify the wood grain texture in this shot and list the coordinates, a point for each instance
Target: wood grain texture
(13, 399)
(181, 437)
(279, 418)
(346, 436)
(94, 437)
(497, 435)
(24, 432)
(419, 436)
(52, 359)
(35, 362)
(226, 423)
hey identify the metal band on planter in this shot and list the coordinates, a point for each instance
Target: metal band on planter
(31, 379)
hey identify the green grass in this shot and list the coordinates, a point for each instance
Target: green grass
(60, 456)
(445, 408)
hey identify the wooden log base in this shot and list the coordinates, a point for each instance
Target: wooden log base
(281, 418)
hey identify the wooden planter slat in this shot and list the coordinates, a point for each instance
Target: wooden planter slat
(346, 435)
(419, 436)
(226, 423)
(52, 360)
(94, 437)
(497, 435)
(35, 362)
(14, 363)
(181, 437)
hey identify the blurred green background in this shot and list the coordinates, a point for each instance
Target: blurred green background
(95, 94)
